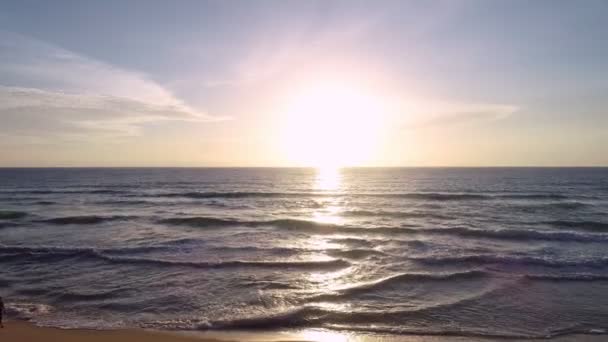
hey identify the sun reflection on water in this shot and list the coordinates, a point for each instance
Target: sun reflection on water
(324, 336)
(328, 179)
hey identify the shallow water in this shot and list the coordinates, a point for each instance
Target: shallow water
(467, 252)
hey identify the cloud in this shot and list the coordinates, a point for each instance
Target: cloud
(47, 91)
(446, 114)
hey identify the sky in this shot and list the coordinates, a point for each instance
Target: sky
(304, 83)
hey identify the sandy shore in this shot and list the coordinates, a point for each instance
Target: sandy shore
(24, 332)
(17, 331)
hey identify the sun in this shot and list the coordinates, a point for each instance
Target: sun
(332, 125)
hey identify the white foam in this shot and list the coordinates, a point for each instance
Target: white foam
(27, 311)
(597, 331)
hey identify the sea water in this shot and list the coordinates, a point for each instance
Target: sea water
(499, 252)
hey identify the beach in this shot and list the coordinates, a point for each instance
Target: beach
(303, 171)
(26, 332)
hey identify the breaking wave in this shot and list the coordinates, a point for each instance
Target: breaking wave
(26, 311)
(388, 282)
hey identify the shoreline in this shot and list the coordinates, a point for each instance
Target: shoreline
(24, 331)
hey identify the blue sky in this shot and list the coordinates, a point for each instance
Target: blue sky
(197, 83)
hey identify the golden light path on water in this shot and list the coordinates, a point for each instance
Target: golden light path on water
(328, 180)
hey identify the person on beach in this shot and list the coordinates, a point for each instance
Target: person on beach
(1, 311)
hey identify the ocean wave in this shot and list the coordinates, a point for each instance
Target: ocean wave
(45, 202)
(62, 191)
(568, 277)
(423, 196)
(26, 311)
(390, 281)
(435, 196)
(125, 202)
(49, 254)
(354, 242)
(509, 260)
(88, 219)
(362, 319)
(432, 196)
(297, 317)
(320, 228)
(365, 321)
(398, 322)
(182, 242)
(201, 221)
(534, 196)
(567, 205)
(75, 296)
(75, 250)
(7, 225)
(276, 251)
(516, 234)
(321, 264)
(355, 253)
(208, 222)
(307, 316)
(300, 317)
(133, 250)
(297, 224)
(58, 254)
(498, 234)
(269, 285)
(533, 207)
(591, 226)
(394, 214)
(29, 291)
(237, 194)
(468, 334)
(11, 215)
(43, 254)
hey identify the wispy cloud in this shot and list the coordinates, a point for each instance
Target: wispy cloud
(49, 91)
(447, 114)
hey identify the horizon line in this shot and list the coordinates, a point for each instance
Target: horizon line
(312, 167)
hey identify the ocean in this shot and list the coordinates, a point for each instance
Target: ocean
(479, 252)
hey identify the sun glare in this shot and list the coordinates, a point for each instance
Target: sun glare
(332, 125)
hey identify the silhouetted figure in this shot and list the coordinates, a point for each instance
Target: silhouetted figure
(1, 311)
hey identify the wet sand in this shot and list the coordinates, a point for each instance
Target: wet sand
(25, 332)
